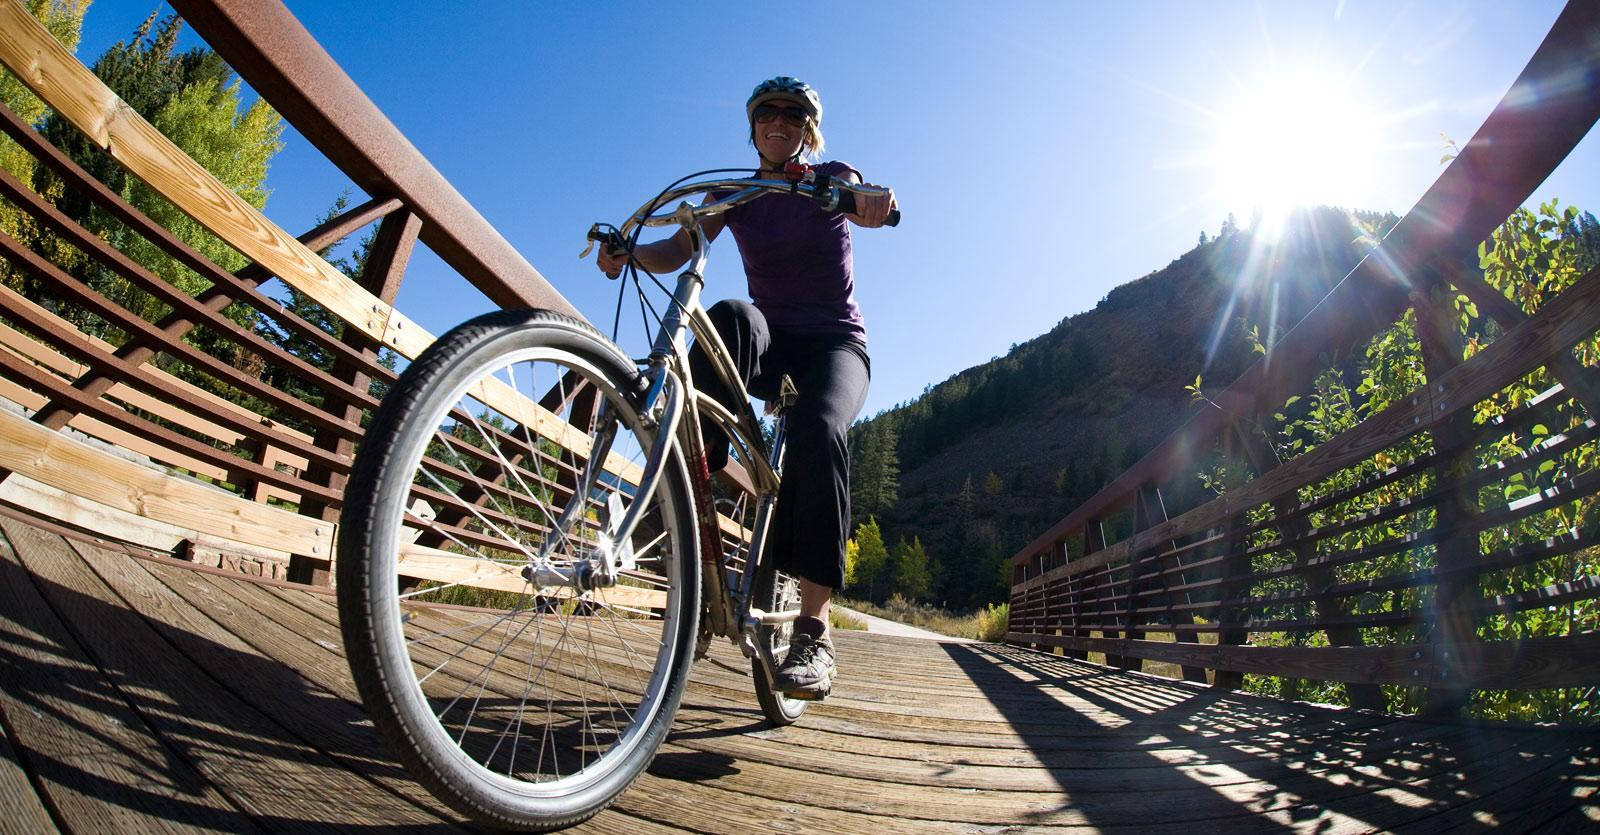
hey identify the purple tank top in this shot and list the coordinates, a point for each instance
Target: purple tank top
(797, 260)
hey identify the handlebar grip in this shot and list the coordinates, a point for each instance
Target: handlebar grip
(847, 204)
(610, 241)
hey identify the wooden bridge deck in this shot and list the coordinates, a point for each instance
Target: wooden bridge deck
(144, 695)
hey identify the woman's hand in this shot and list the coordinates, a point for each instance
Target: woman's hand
(872, 209)
(611, 261)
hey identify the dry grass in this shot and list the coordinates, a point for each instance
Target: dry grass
(985, 624)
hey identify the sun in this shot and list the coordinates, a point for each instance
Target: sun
(1295, 139)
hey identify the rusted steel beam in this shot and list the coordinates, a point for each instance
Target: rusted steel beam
(274, 53)
(1547, 110)
(381, 276)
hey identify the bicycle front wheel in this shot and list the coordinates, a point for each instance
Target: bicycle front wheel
(511, 676)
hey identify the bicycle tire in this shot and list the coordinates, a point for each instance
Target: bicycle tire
(775, 591)
(620, 661)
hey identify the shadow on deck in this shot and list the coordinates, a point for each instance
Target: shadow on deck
(140, 694)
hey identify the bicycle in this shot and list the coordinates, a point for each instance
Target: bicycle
(526, 531)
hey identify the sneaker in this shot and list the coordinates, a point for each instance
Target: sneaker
(807, 671)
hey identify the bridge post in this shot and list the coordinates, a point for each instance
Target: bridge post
(1094, 539)
(1453, 618)
(381, 276)
(1153, 510)
(1293, 529)
(1235, 573)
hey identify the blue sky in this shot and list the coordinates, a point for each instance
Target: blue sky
(1043, 152)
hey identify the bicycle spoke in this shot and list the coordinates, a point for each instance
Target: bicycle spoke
(547, 683)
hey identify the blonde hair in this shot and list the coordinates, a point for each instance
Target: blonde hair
(812, 143)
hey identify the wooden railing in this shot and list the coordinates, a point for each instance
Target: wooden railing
(213, 450)
(1324, 567)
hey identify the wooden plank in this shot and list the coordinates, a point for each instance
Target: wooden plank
(43, 502)
(60, 392)
(100, 430)
(41, 353)
(176, 666)
(1570, 661)
(654, 797)
(80, 469)
(226, 287)
(20, 805)
(434, 564)
(99, 765)
(331, 721)
(132, 372)
(75, 94)
(191, 311)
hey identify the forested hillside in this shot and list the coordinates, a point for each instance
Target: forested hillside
(986, 460)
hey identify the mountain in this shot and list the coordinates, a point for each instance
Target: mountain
(989, 458)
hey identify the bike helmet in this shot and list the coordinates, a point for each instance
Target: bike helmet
(784, 88)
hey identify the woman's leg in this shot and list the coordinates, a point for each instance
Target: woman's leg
(744, 332)
(812, 521)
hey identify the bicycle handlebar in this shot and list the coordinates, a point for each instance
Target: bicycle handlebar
(831, 194)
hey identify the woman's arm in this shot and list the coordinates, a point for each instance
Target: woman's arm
(665, 255)
(871, 209)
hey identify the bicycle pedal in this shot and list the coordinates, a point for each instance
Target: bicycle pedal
(809, 695)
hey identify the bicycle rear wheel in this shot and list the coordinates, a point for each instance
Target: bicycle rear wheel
(775, 591)
(523, 698)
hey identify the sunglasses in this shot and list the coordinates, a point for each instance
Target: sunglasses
(793, 116)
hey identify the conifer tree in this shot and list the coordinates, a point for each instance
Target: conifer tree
(875, 471)
(912, 576)
(871, 557)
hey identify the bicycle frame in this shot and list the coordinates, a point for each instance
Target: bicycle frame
(727, 610)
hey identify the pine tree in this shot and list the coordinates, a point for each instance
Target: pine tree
(875, 477)
(912, 576)
(871, 557)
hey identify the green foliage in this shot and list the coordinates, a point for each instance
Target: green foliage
(875, 471)
(994, 621)
(910, 570)
(1531, 258)
(64, 20)
(194, 99)
(985, 624)
(871, 559)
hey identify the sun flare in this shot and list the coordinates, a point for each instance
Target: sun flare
(1295, 140)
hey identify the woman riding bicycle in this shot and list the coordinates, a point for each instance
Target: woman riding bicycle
(804, 323)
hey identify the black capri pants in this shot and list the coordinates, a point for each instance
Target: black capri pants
(831, 372)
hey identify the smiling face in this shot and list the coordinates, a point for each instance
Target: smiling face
(779, 131)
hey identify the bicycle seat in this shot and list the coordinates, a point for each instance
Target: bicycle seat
(786, 397)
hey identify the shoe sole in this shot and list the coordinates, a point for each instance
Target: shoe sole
(812, 692)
